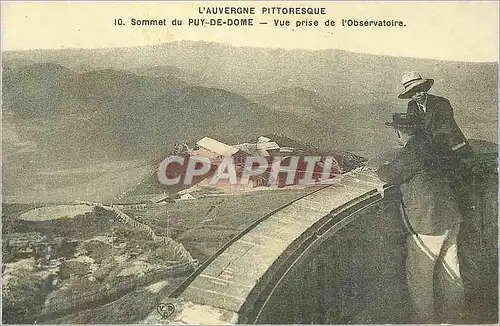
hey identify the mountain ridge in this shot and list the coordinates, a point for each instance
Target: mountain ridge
(183, 42)
(85, 107)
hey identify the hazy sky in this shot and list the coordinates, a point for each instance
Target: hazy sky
(466, 31)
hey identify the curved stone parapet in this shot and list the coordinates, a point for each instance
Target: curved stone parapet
(337, 256)
(224, 290)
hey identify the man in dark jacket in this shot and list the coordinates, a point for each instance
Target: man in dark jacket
(439, 126)
(436, 115)
(450, 144)
(430, 212)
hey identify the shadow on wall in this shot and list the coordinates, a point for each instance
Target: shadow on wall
(355, 277)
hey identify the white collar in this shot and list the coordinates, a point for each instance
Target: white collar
(424, 106)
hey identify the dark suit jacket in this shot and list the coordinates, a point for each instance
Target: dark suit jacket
(429, 201)
(440, 125)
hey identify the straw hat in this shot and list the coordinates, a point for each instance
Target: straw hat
(410, 81)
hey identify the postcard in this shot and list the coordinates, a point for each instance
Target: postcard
(254, 162)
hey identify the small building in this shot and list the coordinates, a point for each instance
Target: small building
(216, 147)
(216, 151)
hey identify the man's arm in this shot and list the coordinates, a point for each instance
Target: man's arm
(412, 108)
(446, 131)
(444, 120)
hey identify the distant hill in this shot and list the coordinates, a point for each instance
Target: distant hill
(347, 90)
(14, 63)
(294, 99)
(166, 71)
(74, 107)
(35, 90)
(343, 75)
(159, 71)
(121, 111)
(342, 78)
(70, 119)
(42, 90)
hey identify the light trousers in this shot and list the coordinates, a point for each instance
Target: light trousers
(433, 277)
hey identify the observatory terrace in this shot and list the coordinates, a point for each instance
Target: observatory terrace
(334, 256)
(227, 286)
